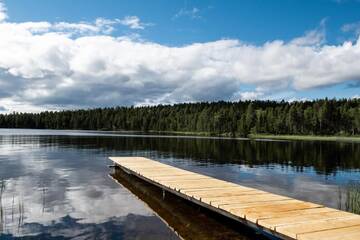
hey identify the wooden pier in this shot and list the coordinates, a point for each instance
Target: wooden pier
(274, 215)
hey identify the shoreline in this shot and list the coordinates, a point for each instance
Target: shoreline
(306, 137)
(333, 138)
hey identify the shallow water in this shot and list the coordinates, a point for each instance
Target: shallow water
(56, 184)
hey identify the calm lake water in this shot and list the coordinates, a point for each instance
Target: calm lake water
(57, 184)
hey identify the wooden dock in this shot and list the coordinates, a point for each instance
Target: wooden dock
(274, 215)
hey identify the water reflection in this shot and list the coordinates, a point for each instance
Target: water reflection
(54, 192)
(185, 218)
(323, 157)
(55, 184)
(129, 227)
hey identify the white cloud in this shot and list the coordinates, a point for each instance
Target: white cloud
(133, 22)
(294, 99)
(47, 65)
(313, 37)
(3, 12)
(250, 95)
(352, 27)
(192, 13)
(99, 26)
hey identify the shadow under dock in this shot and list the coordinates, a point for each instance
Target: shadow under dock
(186, 219)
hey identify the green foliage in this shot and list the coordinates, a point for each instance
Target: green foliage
(319, 117)
(353, 197)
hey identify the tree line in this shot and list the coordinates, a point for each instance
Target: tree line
(318, 117)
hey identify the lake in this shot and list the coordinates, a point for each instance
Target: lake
(57, 184)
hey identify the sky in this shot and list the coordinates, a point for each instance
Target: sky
(65, 54)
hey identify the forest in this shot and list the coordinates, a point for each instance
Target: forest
(317, 117)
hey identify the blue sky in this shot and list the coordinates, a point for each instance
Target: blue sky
(254, 21)
(175, 51)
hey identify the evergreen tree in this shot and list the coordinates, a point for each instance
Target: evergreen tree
(321, 117)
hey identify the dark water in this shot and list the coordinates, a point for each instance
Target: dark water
(56, 184)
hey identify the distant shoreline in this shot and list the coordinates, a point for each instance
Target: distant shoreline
(335, 138)
(306, 137)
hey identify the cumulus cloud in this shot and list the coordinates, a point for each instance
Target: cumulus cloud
(47, 65)
(3, 12)
(99, 26)
(313, 37)
(133, 22)
(250, 95)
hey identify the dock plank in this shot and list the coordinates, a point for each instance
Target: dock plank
(295, 230)
(235, 207)
(179, 178)
(344, 233)
(267, 215)
(281, 221)
(250, 213)
(246, 198)
(215, 197)
(274, 214)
